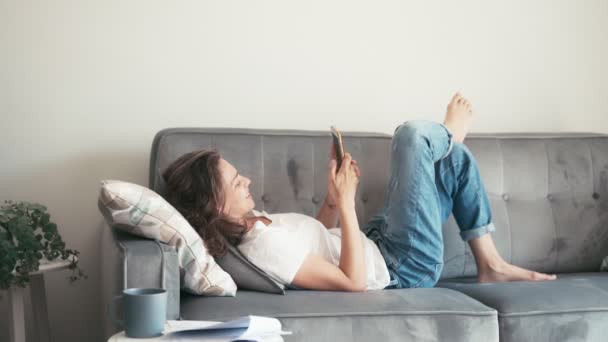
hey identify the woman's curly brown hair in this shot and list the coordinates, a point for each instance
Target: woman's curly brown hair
(194, 188)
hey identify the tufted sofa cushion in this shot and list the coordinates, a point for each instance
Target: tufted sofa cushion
(387, 315)
(549, 197)
(572, 308)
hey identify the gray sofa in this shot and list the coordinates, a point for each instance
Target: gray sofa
(549, 195)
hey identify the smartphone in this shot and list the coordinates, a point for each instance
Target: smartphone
(338, 145)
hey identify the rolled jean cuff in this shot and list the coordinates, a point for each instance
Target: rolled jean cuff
(451, 141)
(469, 234)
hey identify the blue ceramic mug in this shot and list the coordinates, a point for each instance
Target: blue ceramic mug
(145, 311)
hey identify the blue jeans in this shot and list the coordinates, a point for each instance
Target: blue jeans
(430, 177)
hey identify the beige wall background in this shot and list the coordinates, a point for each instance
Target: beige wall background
(85, 85)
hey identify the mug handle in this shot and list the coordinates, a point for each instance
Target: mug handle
(112, 311)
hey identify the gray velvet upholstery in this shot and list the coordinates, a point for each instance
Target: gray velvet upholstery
(129, 261)
(388, 315)
(246, 275)
(572, 308)
(549, 196)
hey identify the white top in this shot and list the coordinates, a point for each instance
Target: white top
(280, 247)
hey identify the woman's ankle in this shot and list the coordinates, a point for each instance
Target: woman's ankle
(491, 264)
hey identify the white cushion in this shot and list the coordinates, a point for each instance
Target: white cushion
(141, 211)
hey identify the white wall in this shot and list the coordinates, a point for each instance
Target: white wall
(84, 86)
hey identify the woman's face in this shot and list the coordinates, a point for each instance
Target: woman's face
(239, 201)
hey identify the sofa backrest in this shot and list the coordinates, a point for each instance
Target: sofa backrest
(548, 192)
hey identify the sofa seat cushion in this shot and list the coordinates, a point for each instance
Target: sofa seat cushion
(387, 315)
(573, 307)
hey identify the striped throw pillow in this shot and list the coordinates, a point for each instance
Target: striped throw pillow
(141, 211)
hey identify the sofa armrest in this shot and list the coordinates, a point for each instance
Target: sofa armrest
(129, 261)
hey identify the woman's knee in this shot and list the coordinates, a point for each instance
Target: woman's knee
(461, 160)
(413, 132)
(460, 152)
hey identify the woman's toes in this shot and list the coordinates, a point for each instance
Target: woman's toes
(538, 276)
(542, 276)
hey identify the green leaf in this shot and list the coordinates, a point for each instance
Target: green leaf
(37, 206)
(51, 227)
(26, 236)
(44, 219)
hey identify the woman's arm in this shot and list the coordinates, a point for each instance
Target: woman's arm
(316, 273)
(351, 274)
(352, 260)
(328, 214)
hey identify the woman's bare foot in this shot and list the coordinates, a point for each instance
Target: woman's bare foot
(503, 271)
(458, 117)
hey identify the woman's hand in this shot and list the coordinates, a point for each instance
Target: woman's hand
(342, 183)
(331, 197)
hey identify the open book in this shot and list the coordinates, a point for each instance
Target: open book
(251, 328)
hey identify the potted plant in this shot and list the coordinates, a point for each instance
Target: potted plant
(27, 237)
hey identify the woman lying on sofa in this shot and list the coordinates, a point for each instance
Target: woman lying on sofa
(432, 175)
